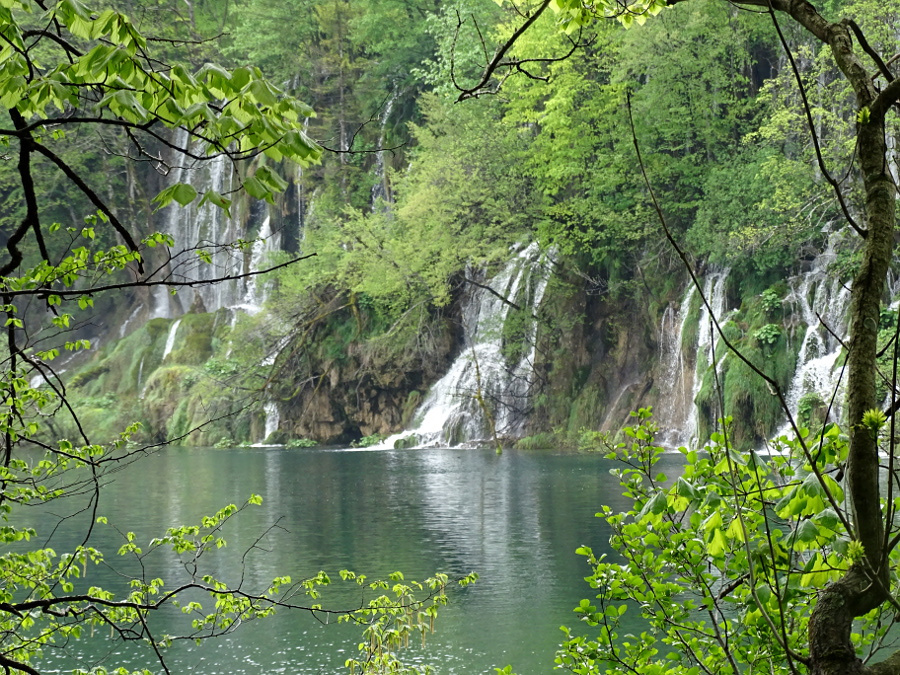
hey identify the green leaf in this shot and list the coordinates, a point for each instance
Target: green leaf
(717, 545)
(807, 531)
(255, 188)
(184, 194)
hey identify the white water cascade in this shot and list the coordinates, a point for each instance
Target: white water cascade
(381, 191)
(819, 300)
(708, 337)
(266, 242)
(273, 418)
(451, 413)
(170, 339)
(675, 412)
(205, 226)
(680, 378)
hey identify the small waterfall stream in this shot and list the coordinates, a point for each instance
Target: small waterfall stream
(170, 339)
(708, 336)
(381, 191)
(681, 378)
(273, 419)
(451, 413)
(266, 242)
(675, 413)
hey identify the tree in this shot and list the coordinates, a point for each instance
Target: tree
(67, 75)
(862, 580)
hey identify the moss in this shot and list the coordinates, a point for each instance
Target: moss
(409, 407)
(547, 440)
(88, 374)
(123, 366)
(747, 398)
(514, 336)
(585, 409)
(406, 442)
(277, 437)
(194, 344)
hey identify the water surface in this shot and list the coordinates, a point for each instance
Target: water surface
(516, 519)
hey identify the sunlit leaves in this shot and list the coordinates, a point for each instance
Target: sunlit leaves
(715, 558)
(183, 193)
(107, 72)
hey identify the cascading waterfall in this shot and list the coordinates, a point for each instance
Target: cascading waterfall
(273, 418)
(451, 413)
(205, 226)
(266, 242)
(675, 413)
(708, 337)
(681, 378)
(381, 191)
(817, 303)
(140, 376)
(820, 301)
(123, 330)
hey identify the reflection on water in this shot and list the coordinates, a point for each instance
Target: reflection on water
(516, 519)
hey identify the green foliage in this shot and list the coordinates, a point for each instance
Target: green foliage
(464, 203)
(368, 441)
(593, 441)
(394, 618)
(768, 335)
(719, 565)
(301, 443)
(770, 300)
(548, 440)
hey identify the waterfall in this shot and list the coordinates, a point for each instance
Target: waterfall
(381, 190)
(708, 337)
(266, 242)
(206, 227)
(123, 330)
(451, 413)
(170, 340)
(816, 295)
(273, 419)
(675, 413)
(680, 379)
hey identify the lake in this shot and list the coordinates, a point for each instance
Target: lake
(516, 519)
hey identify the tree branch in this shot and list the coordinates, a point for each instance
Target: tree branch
(95, 199)
(495, 62)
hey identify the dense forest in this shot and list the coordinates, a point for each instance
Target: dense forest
(483, 223)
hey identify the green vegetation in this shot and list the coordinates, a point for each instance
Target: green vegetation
(710, 574)
(72, 76)
(378, 305)
(417, 192)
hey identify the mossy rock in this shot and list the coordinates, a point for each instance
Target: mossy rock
(163, 396)
(193, 345)
(277, 437)
(406, 442)
(88, 374)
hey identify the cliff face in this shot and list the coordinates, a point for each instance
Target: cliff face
(339, 393)
(597, 354)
